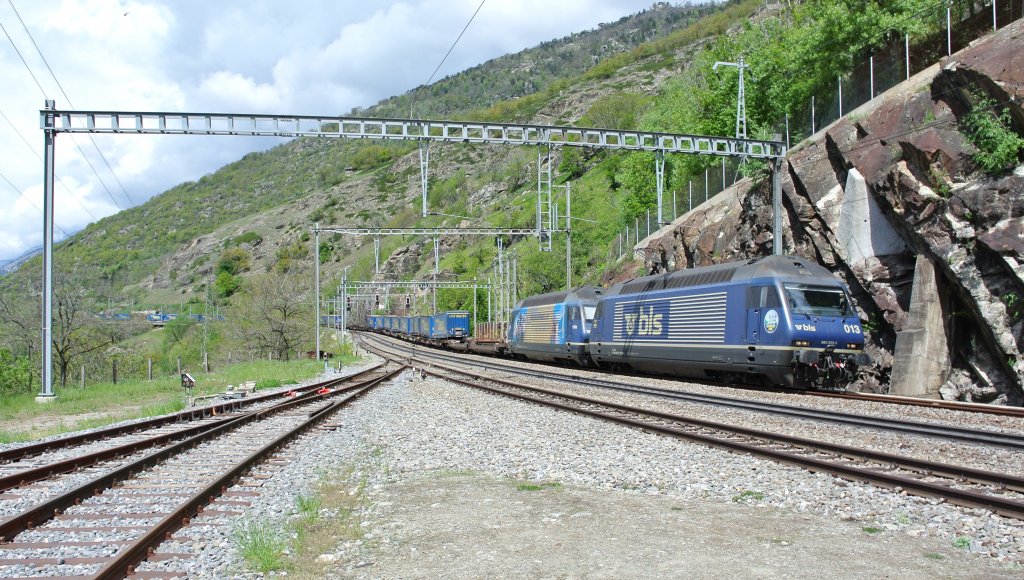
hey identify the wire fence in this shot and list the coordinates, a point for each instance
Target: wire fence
(953, 25)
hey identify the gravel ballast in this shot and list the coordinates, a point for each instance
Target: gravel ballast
(462, 483)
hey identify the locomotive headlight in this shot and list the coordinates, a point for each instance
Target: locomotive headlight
(852, 346)
(801, 343)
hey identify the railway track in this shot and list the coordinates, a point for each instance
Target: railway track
(916, 402)
(156, 425)
(112, 522)
(933, 430)
(966, 407)
(974, 488)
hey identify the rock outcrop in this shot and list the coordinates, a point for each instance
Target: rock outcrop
(890, 200)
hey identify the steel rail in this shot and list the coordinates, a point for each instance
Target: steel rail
(47, 510)
(42, 472)
(41, 447)
(916, 402)
(1003, 506)
(947, 432)
(963, 406)
(32, 475)
(127, 559)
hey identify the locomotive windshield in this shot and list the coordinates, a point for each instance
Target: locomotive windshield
(588, 313)
(817, 300)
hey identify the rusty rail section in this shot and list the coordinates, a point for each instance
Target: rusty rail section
(915, 402)
(34, 449)
(125, 561)
(874, 397)
(762, 444)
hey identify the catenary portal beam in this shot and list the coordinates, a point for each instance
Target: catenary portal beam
(425, 231)
(403, 129)
(53, 121)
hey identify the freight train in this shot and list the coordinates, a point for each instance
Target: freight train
(778, 320)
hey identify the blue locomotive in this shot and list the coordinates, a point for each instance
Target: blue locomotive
(555, 326)
(780, 320)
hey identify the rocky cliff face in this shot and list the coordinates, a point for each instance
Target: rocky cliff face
(890, 199)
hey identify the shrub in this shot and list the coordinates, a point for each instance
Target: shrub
(989, 131)
(226, 284)
(15, 373)
(234, 261)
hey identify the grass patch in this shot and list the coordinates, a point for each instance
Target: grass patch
(934, 556)
(104, 403)
(748, 495)
(324, 519)
(872, 530)
(676, 509)
(317, 534)
(261, 544)
(309, 507)
(538, 486)
(962, 542)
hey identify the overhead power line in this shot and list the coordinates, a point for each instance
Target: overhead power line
(124, 192)
(29, 199)
(40, 158)
(22, 57)
(450, 49)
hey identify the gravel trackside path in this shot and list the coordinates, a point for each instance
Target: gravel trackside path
(448, 496)
(462, 484)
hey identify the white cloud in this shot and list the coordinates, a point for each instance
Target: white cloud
(310, 57)
(240, 93)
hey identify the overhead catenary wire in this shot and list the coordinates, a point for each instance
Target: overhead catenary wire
(450, 49)
(79, 147)
(40, 158)
(22, 57)
(68, 99)
(28, 199)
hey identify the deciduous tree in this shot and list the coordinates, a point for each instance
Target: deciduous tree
(77, 332)
(273, 314)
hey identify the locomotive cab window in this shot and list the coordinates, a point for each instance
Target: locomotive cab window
(763, 297)
(816, 300)
(588, 313)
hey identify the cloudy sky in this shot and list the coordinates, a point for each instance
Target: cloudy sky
(317, 57)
